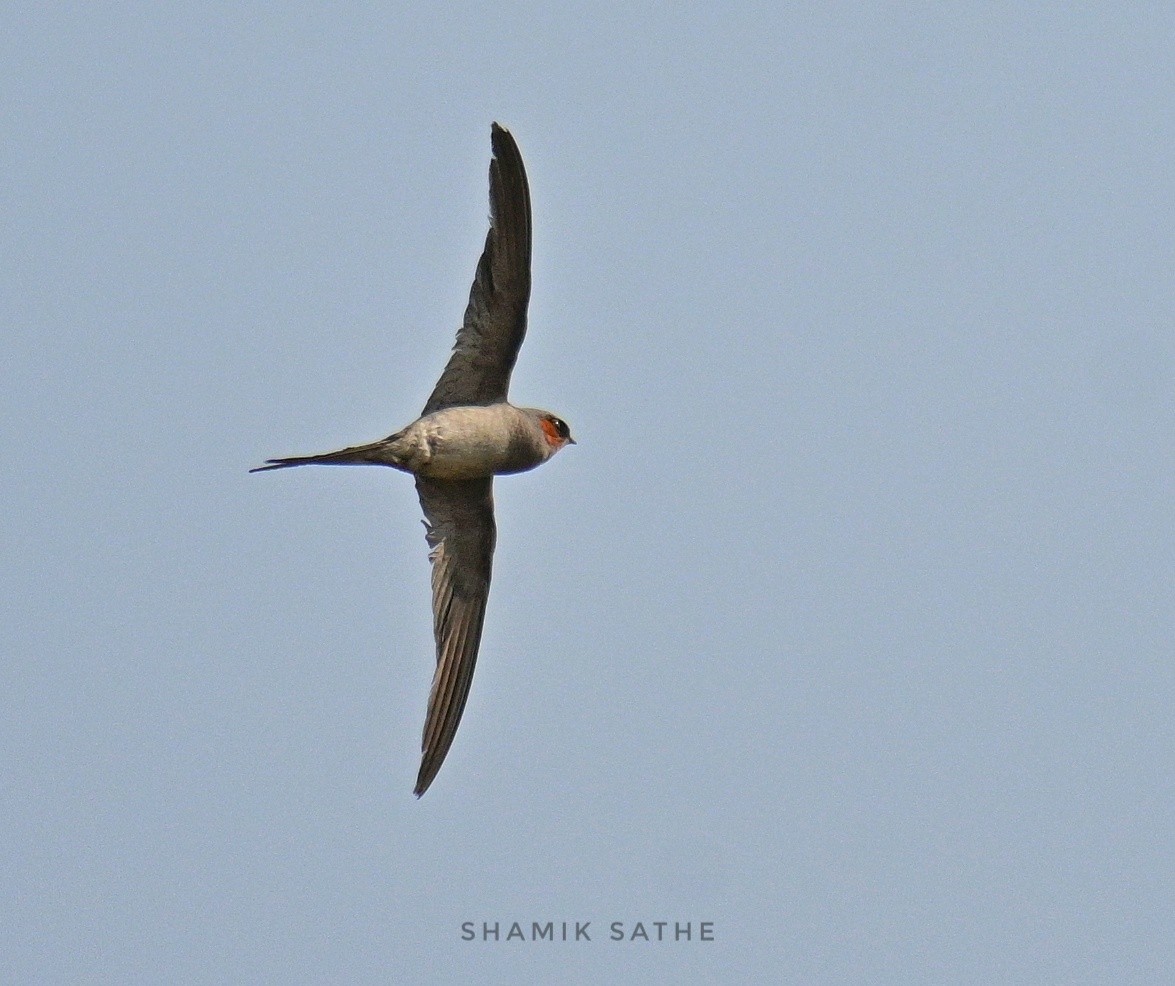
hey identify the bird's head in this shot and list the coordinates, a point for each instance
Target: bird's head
(555, 431)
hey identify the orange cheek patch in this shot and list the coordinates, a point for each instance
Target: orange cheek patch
(549, 430)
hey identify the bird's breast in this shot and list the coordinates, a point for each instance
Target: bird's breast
(472, 442)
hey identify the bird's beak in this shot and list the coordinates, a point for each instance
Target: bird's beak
(571, 441)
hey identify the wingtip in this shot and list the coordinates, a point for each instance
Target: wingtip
(500, 138)
(424, 777)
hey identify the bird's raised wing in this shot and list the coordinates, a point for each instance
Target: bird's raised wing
(478, 372)
(459, 519)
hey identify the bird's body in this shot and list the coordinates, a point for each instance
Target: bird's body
(467, 434)
(455, 443)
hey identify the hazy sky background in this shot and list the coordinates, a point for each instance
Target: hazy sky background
(846, 626)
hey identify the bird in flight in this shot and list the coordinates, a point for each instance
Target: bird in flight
(468, 433)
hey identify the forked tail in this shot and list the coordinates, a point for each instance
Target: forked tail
(375, 454)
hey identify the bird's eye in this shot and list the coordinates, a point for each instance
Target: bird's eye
(561, 427)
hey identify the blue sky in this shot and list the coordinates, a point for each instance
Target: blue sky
(847, 625)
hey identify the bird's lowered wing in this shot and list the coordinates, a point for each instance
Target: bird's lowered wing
(478, 372)
(459, 519)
